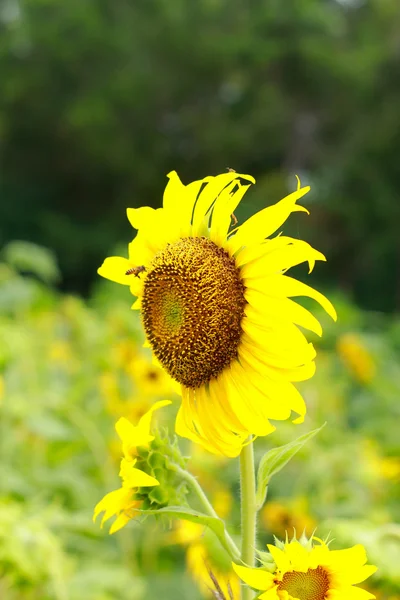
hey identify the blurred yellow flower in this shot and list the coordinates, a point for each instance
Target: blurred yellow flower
(356, 357)
(60, 351)
(216, 307)
(390, 468)
(222, 501)
(150, 379)
(122, 503)
(123, 352)
(312, 572)
(206, 560)
(108, 384)
(383, 467)
(279, 517)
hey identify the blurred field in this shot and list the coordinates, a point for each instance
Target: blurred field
(99, 101)
(70, 368)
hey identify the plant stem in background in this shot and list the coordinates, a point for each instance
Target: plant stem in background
(207, 507)
(248, 511)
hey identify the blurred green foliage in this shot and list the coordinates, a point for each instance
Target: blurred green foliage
(101, 99)
(69, 369)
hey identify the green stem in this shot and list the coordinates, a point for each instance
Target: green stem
(207, 507)
(249, 511)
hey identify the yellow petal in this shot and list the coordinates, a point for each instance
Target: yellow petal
(115, 268)
(267, 221)
(223, 408)
(119, 523)
(143, 428)
(283, 367)
(174, 193)
(214, 427)
(157, 228)
(276, 398)
(179, 201)
(261, 363)
(282, 259)
(356, 556)
(136, 287)
(276, 337)
(250, 254)
(139, 251)
(113, 503)
(244, 400)
(213, 188)
(184, 425)
(284, 286)
(135, 478)
(272, 594)
(354, 593)
(137, 305)
(196, 422)
(131, 437)
(298, 556)
(134, 436)
(255, 578)
(261, 341)
(225, 206)
(140, 217)
(281, 559)
(283, 310)
(357, 575)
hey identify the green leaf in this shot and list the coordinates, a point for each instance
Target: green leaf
(274, 460)
(188, 514)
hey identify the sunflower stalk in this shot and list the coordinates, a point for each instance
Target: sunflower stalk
(248, 511)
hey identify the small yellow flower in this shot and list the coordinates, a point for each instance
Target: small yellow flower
(280, 518)
(217, 308)
(312, 572)
(356, 357)
(122, 503)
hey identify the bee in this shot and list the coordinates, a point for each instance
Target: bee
(135, 271)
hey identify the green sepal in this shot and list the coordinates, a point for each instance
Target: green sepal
(158, 461)
(274, 460)
(266, 560)
(159, 495)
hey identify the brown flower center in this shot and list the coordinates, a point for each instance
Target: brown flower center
(312, 585)
(193, 303)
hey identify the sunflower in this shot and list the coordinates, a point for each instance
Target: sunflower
(216, 307)
(311, 572)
